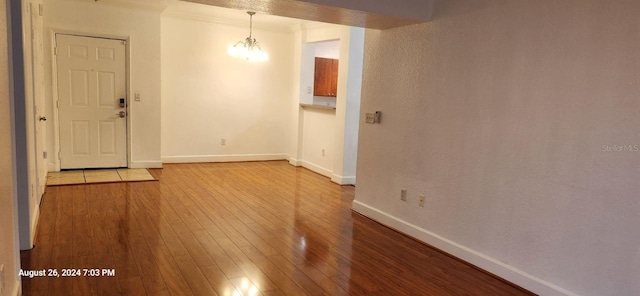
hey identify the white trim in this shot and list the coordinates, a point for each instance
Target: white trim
(295, 162)
(54, 97)
(145, 164)
(157, 6)
(176, 13)
(52, 167)
(34, 224)
(492, 265)
(223, 158)
(16, 288)
(316, 168)
(343, 180)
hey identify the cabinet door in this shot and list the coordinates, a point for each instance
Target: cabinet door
(333, 88)
(325, 78)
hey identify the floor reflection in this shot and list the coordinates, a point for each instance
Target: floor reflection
(324, 237)
(233, 229)
(246, 288)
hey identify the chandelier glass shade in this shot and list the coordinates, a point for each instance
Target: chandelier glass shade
(248, 49)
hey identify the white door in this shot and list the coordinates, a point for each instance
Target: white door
(91, 82)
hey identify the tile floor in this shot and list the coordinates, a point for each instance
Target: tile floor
(97, 176)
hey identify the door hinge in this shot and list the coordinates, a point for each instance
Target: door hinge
(44, 154)
(55, 51)
(59, 157)
(57, 104)
(40, 9)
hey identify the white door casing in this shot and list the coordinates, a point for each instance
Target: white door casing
(37, 53)
(91, 78)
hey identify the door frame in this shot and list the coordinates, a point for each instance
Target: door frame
(36, 134)
(54, 89)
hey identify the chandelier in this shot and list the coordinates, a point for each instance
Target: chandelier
(248, 49)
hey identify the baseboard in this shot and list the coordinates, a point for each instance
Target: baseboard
(17, 289)
(316, 168)
(295, 162)
(487, 263)
(52, 167)
(34, 225)
(145, 164)
(343, 180)
(223, 158)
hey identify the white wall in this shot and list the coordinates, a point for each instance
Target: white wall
(9, 256)
(142, 28)
(327, 49)
(499, 115)
(208, 95)
(318, 136)
(347, 112)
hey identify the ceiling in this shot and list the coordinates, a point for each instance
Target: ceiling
(231, 16)
(281, 14)
(375, 14)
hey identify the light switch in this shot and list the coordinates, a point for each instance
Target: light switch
(136, 97)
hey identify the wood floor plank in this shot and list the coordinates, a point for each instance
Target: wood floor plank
(218, 280)
(288, 283)
(83, 285)
(147, 268)
(253, 272)
(175, 281)
(194, 277)
(266, 228)
(62, 258)
(132, 286)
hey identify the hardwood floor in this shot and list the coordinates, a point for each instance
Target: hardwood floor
(259, 228)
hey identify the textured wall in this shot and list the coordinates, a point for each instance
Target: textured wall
(506, 115)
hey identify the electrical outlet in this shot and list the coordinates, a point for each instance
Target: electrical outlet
(370, 118)
(421, 200)
(373, 117)
(223, 142)
(309, 90)
(136, 97)
(403, 194)
(322, 152)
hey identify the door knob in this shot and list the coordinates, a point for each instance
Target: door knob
(122, 114)
(42, 118)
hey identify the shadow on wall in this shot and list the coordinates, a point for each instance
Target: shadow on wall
(443, 9)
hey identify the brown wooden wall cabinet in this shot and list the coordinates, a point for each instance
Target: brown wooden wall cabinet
(326, 78)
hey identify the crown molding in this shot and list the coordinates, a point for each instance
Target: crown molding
(146, 5)
(209, 18)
